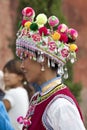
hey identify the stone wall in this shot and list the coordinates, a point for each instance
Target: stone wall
(8, 10)
(75, 13)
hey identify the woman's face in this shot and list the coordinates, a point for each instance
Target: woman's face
(32, 70)
(12, 79)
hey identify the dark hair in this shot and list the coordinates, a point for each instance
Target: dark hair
(13, 66)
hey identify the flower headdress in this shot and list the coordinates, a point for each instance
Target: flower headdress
(34, 37)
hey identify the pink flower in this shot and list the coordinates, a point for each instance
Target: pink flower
(20, 120)
(52, 46)
(24, 121)
(53, 21)
(28, 12)
(72, 33)
(64, 52)
(27, 122)
(62, 28)
(36, 37)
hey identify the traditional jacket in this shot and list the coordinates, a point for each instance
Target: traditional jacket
(40, 102)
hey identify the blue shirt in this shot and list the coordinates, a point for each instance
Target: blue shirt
(4, 118)
(36, 87)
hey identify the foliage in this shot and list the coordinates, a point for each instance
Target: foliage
(49, 7)
(74, 87)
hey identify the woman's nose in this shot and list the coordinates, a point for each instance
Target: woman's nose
(22, 65)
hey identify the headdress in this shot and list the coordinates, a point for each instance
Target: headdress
(58, 45)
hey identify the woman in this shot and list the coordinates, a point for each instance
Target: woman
(16, 99)
(44, 53)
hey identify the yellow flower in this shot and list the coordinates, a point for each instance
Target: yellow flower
(73, 47)
(56, 36)
(27, 24)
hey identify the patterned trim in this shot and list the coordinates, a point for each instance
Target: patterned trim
(50, 84)
(46, 124)
(58, 87)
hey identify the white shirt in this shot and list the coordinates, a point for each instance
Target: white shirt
(18, 99)
(63, 115)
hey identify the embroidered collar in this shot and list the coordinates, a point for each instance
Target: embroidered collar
(49, 85)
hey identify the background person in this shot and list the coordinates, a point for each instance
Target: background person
(16, 99)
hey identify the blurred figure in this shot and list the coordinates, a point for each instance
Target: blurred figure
(16, 99)
(5, 123)
(2, 93)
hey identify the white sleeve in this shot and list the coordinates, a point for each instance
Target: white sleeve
(63, 115)
(9, 96)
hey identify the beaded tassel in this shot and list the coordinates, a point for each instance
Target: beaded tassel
(48, 63)
(60, 70)
(52, 63)
(40, 59)
(65, 73)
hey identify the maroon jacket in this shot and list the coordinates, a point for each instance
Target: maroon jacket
(36, 118)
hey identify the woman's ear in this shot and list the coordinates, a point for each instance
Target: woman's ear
(21, 77)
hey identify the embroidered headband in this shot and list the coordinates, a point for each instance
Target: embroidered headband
(58, 45)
